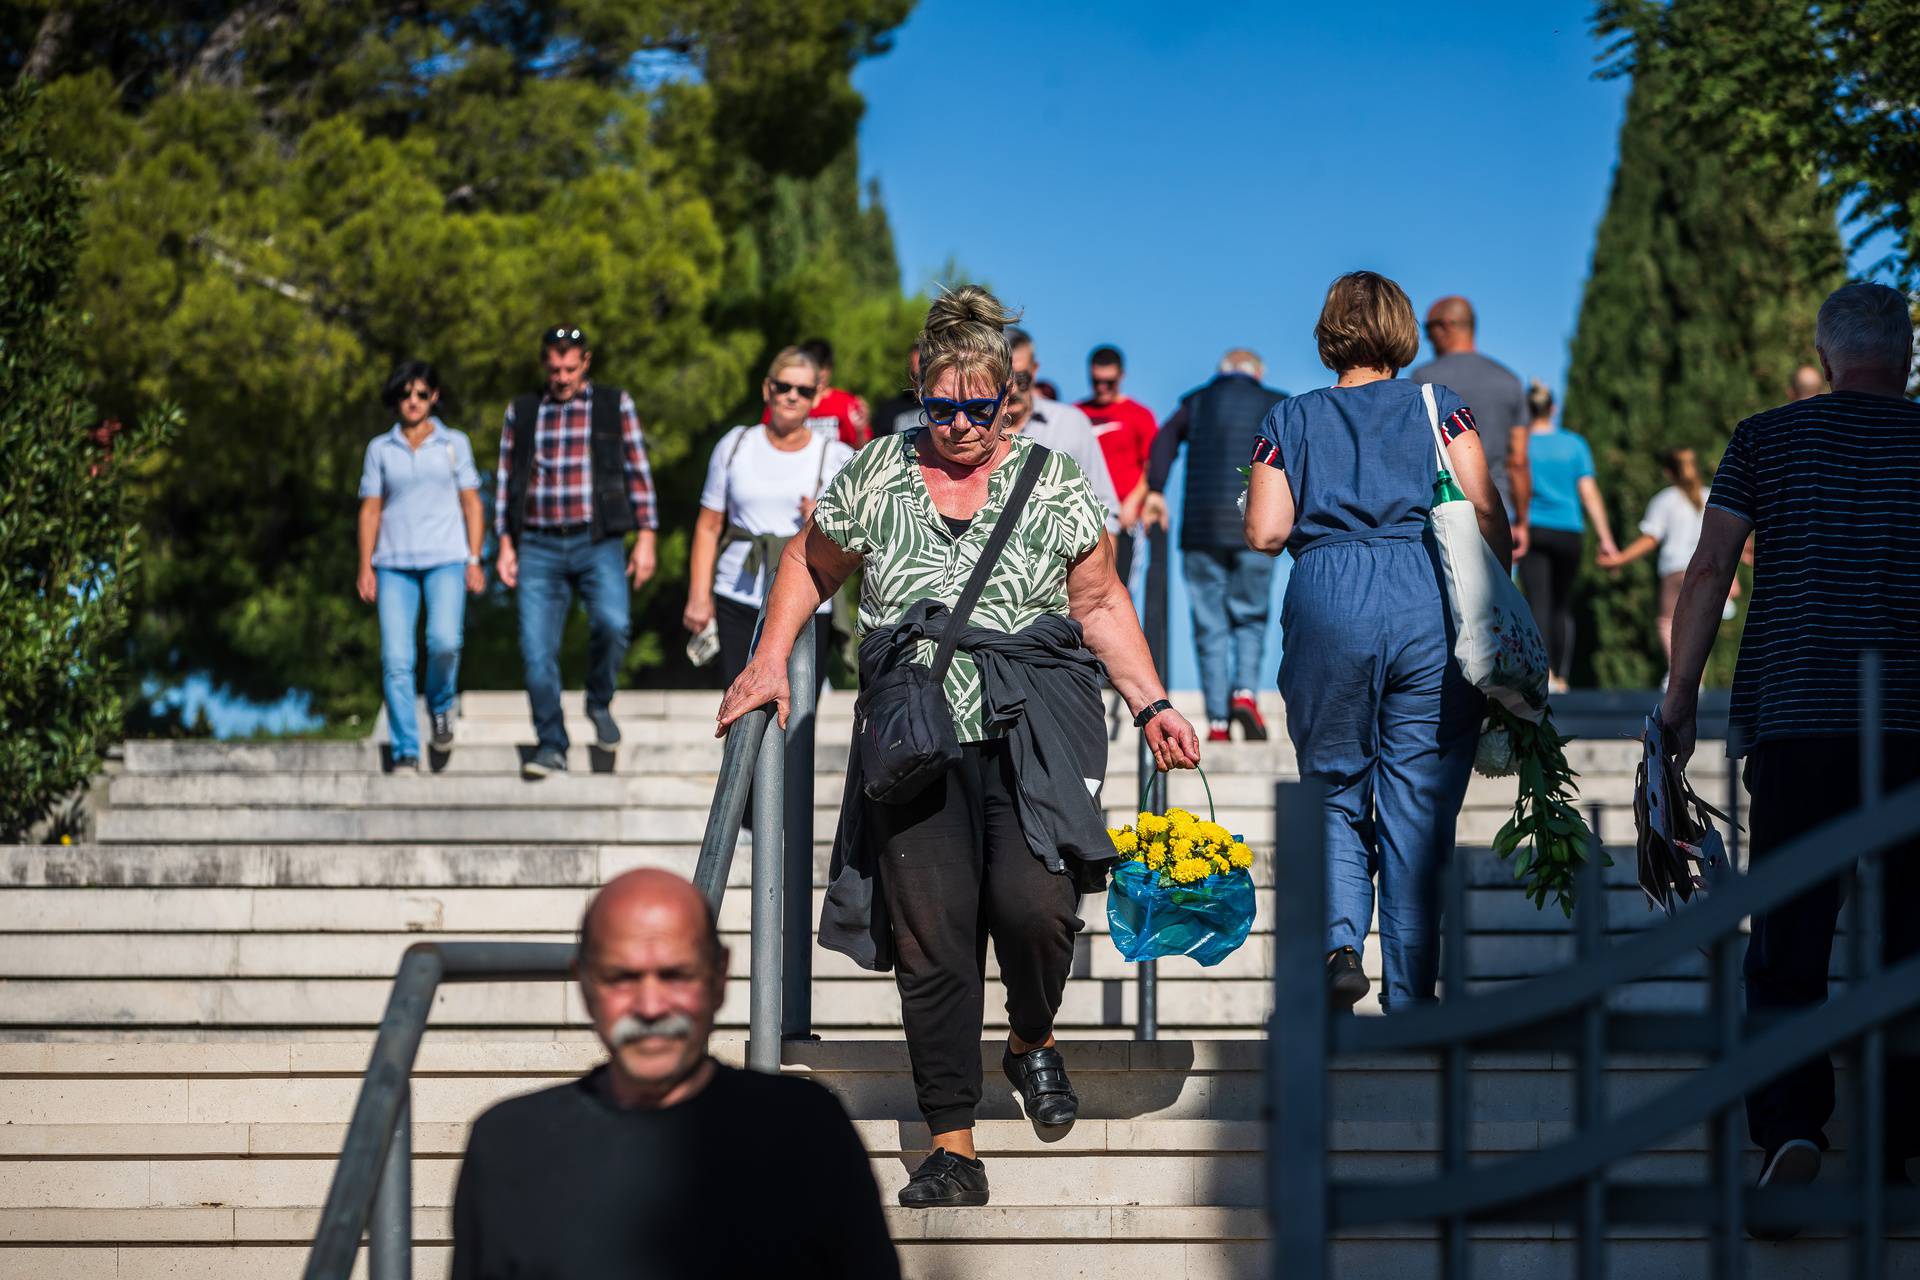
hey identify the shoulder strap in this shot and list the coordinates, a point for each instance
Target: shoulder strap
(827, 441)
(737, 442)
(526, 416)
(977, 581)
(1433, 421)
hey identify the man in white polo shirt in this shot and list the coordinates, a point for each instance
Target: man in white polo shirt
(1059, 427)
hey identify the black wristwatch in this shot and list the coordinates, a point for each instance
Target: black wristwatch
(1149, 711)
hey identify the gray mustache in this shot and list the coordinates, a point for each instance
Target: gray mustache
(672, 1026)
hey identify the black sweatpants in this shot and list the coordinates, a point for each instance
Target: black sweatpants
(734, 623)
(954, 869)
(1547, 572)
(1796, 784)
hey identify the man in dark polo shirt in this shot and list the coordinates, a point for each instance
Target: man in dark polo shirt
(662, 1163)
(1497, 398)
(1830, 488)
(573, 483)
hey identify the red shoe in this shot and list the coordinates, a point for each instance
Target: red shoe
(1219, 734)
(1246, 713)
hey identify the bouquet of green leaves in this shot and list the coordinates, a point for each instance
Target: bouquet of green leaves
(1546, 838)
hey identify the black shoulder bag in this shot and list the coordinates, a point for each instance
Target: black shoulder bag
(903, 728)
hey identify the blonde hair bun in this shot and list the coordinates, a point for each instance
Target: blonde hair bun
(966, 331)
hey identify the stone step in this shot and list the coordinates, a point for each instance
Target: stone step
(550, 816)
(525, 866)
(687, 790)
(508, 911)
(1590, 758)
(263, 955)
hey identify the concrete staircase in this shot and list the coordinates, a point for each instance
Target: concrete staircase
(186, 1006)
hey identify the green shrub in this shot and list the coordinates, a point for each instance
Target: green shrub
(67, 530)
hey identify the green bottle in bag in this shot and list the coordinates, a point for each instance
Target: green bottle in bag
(1445, 490)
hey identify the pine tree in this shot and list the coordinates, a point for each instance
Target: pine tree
(1700, 303)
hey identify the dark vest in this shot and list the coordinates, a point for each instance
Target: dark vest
(612, 509)
(1222, 419)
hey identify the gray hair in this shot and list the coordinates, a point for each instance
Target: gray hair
(1866, 325)
(1241, 360)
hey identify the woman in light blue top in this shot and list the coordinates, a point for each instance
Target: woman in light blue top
(420, 531)
(1563, 488)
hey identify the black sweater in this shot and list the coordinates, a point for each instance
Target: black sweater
(756, 1175)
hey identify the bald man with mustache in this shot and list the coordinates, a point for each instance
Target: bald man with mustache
(1496, 398)
(662, 1162)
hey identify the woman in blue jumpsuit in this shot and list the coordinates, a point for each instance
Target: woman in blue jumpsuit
(1343, 478)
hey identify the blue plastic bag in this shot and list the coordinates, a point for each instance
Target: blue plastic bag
(1207, 920)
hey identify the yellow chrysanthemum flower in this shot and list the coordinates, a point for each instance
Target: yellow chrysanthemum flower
(1180, 848)
(1152, 824)
(1156, 856)
(1125, 841)
(1190, 870)
(1214, 833)
(1240, 856)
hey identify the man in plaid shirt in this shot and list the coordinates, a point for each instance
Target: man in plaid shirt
(572, 483)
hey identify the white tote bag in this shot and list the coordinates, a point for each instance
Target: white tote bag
(1495, 642)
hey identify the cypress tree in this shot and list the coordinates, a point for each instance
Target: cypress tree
(1699, 304)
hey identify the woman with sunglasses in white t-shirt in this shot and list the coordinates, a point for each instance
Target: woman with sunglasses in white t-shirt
(762, 482)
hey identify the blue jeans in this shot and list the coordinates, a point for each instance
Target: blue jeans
(444, 588)
(1378, 710)
(551, 569)
(1229, 592)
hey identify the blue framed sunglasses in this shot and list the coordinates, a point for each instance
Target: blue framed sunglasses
(981, 413)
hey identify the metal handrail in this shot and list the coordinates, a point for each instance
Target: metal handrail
(1566, 1182)
(371, 1191)
(1153, 623)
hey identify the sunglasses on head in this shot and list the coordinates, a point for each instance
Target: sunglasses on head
(941, 411)
(565, 333)
(791, 388)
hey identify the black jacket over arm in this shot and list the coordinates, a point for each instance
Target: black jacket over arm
(1041, 691)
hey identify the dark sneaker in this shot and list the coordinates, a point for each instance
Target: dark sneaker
(443, 729)
(406, 764)
(543, 762)
(605, 732)
(1347, 983)
(1245, 712)
(1040, 1077)
(945, 1179)
(1794, 1163)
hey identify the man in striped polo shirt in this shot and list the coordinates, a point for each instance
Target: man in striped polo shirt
(1830, 488)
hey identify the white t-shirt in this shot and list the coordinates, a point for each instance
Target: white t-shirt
(759, 488)
(1672, 519)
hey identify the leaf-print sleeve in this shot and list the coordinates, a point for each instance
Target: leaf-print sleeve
(1079, 517)
(836, 512)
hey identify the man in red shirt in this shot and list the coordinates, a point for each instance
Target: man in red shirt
(1125, 429)
(833, 409)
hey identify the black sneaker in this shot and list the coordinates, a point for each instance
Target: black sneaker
(605, 732)
(1040, 1077)
(443, 729)
(945, 1179)
(1794, 1163)
(1347, 983)
(543, 762)
(406, 764)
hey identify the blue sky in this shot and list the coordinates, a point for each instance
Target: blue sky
(1180, 187)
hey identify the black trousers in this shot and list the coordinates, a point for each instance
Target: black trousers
(734, 623)
(954, 870)
(1546, 575)
(1796, 784)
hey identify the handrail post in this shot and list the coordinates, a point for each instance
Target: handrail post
(1865, 923)
(1455, 1084)
(1590, 910)
(390, 1232)
(796, 927)
(769, 854)
(1298, 1038)
(1154, 625)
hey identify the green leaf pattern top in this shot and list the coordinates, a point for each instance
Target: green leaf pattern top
(878, 508)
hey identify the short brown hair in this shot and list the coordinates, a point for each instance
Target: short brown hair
(1366, 323)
